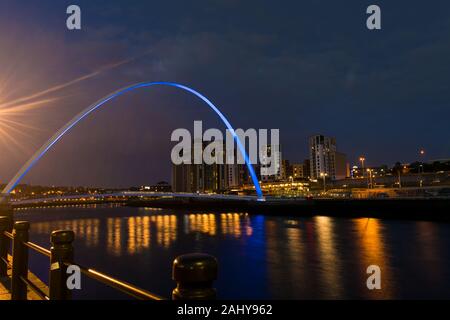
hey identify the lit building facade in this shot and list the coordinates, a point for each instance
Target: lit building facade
(324, 159)
(342, 168)
(298, 171)
(267, 156)
(203, 177)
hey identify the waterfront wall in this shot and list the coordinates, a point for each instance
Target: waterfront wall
(437, 209)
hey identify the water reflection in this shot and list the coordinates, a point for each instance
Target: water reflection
(133, 235)
(318, 258)
(114, 235)
(205, 223)
(235, 224)
(331, 270)
(431, 250)
(373, 251)
(85, 229)
(269, 256)
(286, 252)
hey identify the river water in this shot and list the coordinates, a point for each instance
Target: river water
(260, 257)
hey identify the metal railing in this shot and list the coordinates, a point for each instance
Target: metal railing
(194, 273)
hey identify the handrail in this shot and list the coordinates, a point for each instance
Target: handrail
(6, 261)
(34, 288)
(200, 267)
(117, 284)
(122, 286)
(38, 248)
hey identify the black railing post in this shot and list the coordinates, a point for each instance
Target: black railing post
(20, 261)
(61, 254)
(194, 274)
(4, 243)
(6, 209)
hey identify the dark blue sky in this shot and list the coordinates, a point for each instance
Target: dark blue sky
(304, 67)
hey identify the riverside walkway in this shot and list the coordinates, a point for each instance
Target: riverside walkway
(5, 285)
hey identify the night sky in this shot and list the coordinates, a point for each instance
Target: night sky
(304, 67)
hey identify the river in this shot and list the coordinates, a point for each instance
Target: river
(260, 257)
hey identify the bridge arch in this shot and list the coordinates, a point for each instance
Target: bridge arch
(83, 114)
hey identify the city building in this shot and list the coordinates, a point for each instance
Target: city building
(298, 171)
(341, 166)
(356, 172)
(208, 178)
(234, 175)
(182, 178)
(199, 178)
(267, 156)
(161, 186)
(306, 168)
(286, 170)
(325, 160)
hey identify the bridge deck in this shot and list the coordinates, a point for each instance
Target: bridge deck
(5, 284)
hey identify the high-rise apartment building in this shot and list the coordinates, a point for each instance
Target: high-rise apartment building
(324, 159)
(208, 177)
(276, 165)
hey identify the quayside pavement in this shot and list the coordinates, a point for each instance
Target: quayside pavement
(5, 284)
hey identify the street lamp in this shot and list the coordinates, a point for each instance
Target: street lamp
(291, 179)
(324, 175)
(369, 179)
(421, 168)
(362, 159)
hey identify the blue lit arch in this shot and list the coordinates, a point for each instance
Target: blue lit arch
(61, 132)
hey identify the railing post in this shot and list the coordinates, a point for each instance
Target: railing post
(20, 261)
(6, 209)
(4, 242)
(194, 274)
(61, 253)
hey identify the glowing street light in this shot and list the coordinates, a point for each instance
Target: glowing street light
(369, 179)
(362, 159)
(421, 168)
(324, 176)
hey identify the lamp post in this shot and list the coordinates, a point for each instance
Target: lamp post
(421, 175)
(324, 175)
(421, 168)
(362, 159)
(291, 179)
(369, 179)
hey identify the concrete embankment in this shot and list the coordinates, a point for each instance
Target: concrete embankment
(415, 209)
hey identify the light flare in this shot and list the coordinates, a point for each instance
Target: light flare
(11, 110)
(65, 84)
